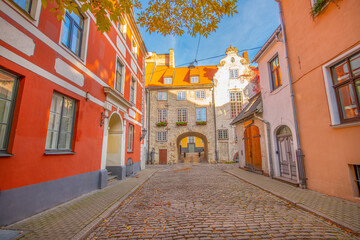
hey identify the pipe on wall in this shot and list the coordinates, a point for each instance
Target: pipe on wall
(299, 153)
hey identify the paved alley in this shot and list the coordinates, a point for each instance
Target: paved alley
(203, 201)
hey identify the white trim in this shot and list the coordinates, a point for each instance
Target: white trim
(137, 110)
(34, 16)
(42, 37)
(330, 93)
(132, 120)
(45, 74)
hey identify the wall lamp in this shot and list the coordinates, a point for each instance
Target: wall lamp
(143, 134)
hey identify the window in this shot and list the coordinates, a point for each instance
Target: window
(8, 90)
(119, 81)
(346, 84)
(167, 80)
(235, 103)
(134, 48)
(133, 90)
(191, 139)
(130, 138)
(73, 32)
(200, 114)
(162, 96)
(194, 79)
(161, 136)
(182, 115)
(222, 134)
(200, 94)
(234, 73)
(357, 177)
(181, 95)
(122, 26)
(61, 123)
(26, 5)
(275, 73)
(162, 115)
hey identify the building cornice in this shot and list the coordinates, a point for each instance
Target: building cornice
(267, 44)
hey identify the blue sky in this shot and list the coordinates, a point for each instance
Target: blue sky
(255, 21)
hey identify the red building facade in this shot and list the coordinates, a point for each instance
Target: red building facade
(70, 106)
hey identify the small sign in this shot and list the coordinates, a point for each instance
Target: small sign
(247, 123)
(131, 113)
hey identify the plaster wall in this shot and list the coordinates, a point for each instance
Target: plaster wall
(277, 106)
(330, 150)
(223, 86)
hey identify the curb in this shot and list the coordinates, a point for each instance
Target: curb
(302, 206)
(85, 232)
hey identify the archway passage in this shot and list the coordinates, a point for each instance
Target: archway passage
(192, 147)
(286, 153)
(252, 148)
(114, 154)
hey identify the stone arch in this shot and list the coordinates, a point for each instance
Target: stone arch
(196, 134)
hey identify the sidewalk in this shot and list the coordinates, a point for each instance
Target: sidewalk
(341, 212)
(74, 219)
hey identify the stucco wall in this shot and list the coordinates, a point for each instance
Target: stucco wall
(329, 151)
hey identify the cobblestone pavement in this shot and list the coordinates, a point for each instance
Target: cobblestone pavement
(203, 201)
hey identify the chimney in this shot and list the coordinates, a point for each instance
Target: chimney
(246, 56)
(171, 58)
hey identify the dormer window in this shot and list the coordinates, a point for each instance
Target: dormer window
(234, 73)
(194, 79)
(167, 80)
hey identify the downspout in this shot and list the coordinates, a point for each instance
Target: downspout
(299, 154)
(148, 91)
(213, 102)
(144, 112)
(269, 144)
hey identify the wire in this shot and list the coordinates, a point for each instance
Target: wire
(222, 55)
(197, 49)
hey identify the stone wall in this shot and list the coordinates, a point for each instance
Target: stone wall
(174, 132)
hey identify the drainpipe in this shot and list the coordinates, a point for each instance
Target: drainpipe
(269, 144)
(299, 153)
(148, 92)
(213, 101)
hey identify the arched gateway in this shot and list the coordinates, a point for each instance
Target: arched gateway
(204, 154)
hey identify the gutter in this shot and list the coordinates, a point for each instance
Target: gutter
(214, 111)
(299, 153)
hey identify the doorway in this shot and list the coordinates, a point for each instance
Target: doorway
(252, 149)
(286, 153)
(162, 156)
(192, 147)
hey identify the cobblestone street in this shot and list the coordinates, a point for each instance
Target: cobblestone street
(203, 201)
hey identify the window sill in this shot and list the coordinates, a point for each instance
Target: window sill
(343, 125)
(130, 151)
(58, 153)
(80, 59)
(5, 154)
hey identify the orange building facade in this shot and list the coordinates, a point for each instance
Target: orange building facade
(70, 99)
(324, 59)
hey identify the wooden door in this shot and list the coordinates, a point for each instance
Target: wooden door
(191, 147)
(286, 156)
(223, 151)
(162, 156)
(252, 148)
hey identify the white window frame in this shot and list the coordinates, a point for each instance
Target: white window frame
(167, 80)
(130, 147)
(232, 72)
(191, 139)
(200, 94)
(133, 82)
(122, 80)
(84, 40)
(162, 115)
(330, 93)
(134, 48)
(161, 96)
(182, 114)
(121, 26)
(181, 95)
(194, 79)
(223, 134)
(161, 136)
(57, 148)
(200, 111)
(34, 14)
